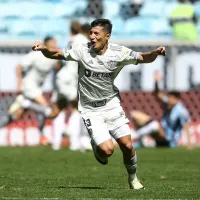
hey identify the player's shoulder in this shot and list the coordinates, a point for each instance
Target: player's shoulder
(119, 50)
(115, 47)
(182, 109)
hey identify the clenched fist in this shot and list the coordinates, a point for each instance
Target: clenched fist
(38, 46)
(161, 51)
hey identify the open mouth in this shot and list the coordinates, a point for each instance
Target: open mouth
(93, 43)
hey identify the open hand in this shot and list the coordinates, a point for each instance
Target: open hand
(38, 46)
(161, 51)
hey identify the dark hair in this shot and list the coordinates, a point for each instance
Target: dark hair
(47, 38)
(106, 23)
(86, 28)
(75, 27)
(175, 94)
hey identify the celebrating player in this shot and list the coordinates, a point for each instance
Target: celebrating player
(99, 102)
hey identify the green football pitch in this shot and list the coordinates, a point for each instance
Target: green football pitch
(41, 173)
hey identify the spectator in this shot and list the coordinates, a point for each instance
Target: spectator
(131, 8)
(94, 8)
(183, 22)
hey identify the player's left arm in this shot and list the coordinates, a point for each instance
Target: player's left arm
(148, 57)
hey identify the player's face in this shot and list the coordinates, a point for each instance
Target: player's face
(172, 101)
(51, 44)
(99, 37)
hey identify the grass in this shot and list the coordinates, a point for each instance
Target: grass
(41, 173)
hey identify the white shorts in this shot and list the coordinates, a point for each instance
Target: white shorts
(31, 90)
(103, 124)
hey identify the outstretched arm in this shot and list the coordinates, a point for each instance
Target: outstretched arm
(160, 95)
(148, 57)
(48, 52)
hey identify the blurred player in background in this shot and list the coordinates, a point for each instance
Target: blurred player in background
(175, 119)
(99, 102)
(66, 94)
(31, 74)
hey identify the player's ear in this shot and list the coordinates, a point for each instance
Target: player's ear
(108, 36)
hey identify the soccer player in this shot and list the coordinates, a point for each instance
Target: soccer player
(175, 118)
(99, 102)
(31, 73)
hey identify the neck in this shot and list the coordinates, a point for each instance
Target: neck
(102, 50)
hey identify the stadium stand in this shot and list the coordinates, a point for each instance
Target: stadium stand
(18, 12)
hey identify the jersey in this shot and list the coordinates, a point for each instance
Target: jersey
(37, 67)
(96, 73)
(70, 70)
(173, 121)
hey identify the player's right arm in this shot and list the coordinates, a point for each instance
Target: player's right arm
(58, 54)
(48, 52)
(160, 95)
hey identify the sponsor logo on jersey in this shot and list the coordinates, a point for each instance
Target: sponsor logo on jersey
(99, 103)
(89, 73)
(90, 62)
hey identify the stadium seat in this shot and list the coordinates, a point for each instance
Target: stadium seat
(54, 27)
(10, 10)
(64, 11)
(3, 26)
(160, 27)
(152, 9)
(197, 9)
(118, 25)
(111, 8)
(40, 10)
(169, 7)
(136, 25)
(23, 28)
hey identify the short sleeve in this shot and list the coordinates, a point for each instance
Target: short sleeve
(129, 56)
(72, 53)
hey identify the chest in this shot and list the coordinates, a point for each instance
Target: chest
(95, 63)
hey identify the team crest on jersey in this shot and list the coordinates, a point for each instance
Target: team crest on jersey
(111, 64)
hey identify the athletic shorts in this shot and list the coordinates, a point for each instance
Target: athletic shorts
(31, 90)
(106, 123)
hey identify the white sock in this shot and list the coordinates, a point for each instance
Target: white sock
(58, 130)
(75, 128)
(131, 167)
